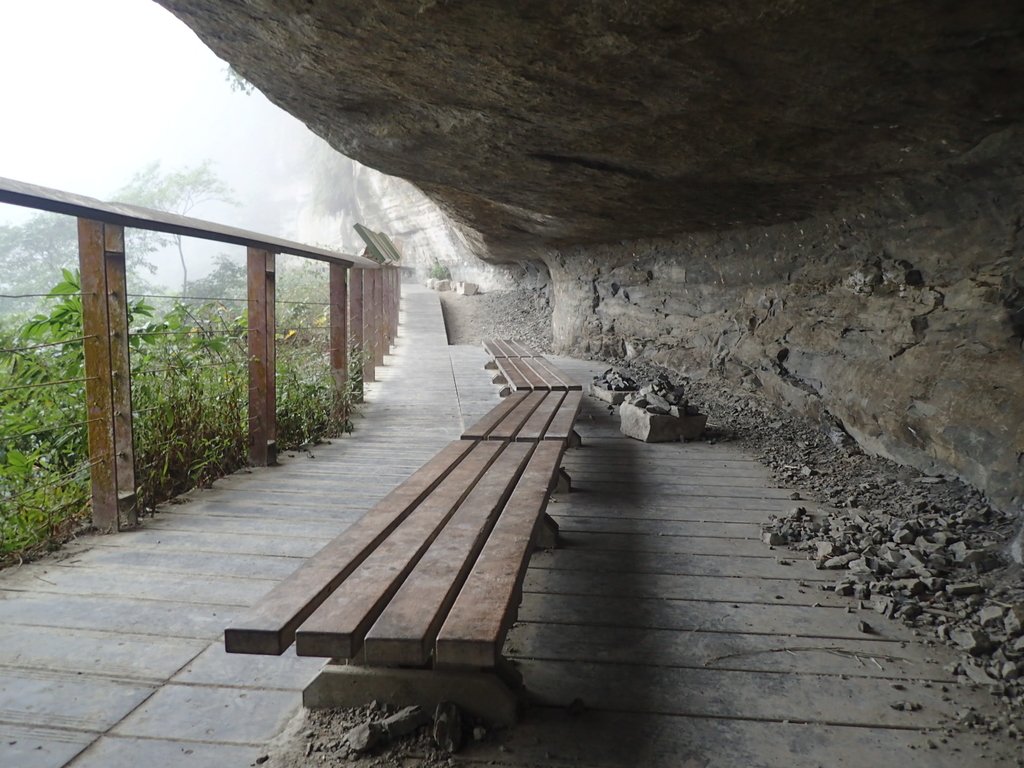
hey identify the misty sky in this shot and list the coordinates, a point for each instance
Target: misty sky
(94, 90)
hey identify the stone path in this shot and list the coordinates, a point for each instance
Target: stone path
(687, 641)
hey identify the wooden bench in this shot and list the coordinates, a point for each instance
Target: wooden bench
(523, 369)
(414, 599)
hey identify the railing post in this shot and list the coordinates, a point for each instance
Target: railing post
(262, 358)
(339, 326)
(369, 326)
(379, 315)
(108, 374)
(396, 281)
(355, 328)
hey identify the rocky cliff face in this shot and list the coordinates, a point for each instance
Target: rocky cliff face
(902, 318)
(821, 201)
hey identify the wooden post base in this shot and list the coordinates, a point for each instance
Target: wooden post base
(563, 483)
(547, 532)
(493, 695)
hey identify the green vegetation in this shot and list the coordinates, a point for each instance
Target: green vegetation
(189, 362)
(439, 271)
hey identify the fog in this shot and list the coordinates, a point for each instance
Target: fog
(95, 91)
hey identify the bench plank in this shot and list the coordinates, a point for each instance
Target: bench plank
(561, 426)
(536, 426)
(482, 428)
(405, 632)
(474, 631)
(336, 629)
(512, 374)
(512, 423)
(520, 349)
(269, 627)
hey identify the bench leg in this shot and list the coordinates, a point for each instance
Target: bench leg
(547, 532)
(498, 379)
(493, 695)
(490, 365)
(505, 392)
(563, 483)
(575, 441)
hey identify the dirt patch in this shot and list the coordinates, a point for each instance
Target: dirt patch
(522, 315)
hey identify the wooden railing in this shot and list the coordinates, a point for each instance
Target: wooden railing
(363, 320)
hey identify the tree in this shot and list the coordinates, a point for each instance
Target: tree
(176, 192)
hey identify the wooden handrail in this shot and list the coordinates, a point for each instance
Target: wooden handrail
(364, 321)
(137, 217)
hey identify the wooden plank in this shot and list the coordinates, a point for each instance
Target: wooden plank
(546, 371)
(338, 291)
(489, 421)
(569, 381)
(512, 374)
(746, 695)
(715, 649)
(259, 269)
(356, 324)
(137, 217)
(473, 633)
(120, 374)
(269, 627)
(336, 629)
(369, 326)
(613, 739)
(619, 561)
(491, 348)
(688, 616)
(562, 424)
(98, 397)
(406, 630)
(535, 380)
(512, 423)
(537, 425)
(537, 377)
(520, 349)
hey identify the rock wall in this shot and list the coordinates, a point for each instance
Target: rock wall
(902, 318)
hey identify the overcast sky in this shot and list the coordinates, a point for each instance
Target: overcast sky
(93, 90)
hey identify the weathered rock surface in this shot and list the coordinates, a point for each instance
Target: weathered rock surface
(544, 124)
(902, 319)
(835, 196)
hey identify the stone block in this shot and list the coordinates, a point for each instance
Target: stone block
(487, 695)
(467, 289)
(443, 285)
(655, 428)
(607, 395)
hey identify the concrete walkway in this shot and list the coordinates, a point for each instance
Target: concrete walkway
(686, 640)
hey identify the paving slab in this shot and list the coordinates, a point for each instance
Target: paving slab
(207, 713)
(67, 699)
(27, 746)
(215, 666)
(120, 654)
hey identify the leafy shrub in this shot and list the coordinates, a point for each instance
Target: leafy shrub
(439, 271)
(189, 400)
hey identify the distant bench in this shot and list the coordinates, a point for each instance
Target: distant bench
(418, 594)
(524, 369)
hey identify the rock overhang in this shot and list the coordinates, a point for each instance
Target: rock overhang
(541, 125)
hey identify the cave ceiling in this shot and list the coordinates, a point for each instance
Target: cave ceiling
(545, 124)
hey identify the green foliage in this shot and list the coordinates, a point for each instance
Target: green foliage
(439, 271)
(190, 403)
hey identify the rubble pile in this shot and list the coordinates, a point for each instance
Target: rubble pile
(612, 386)
(382, 735)
(927, 569)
